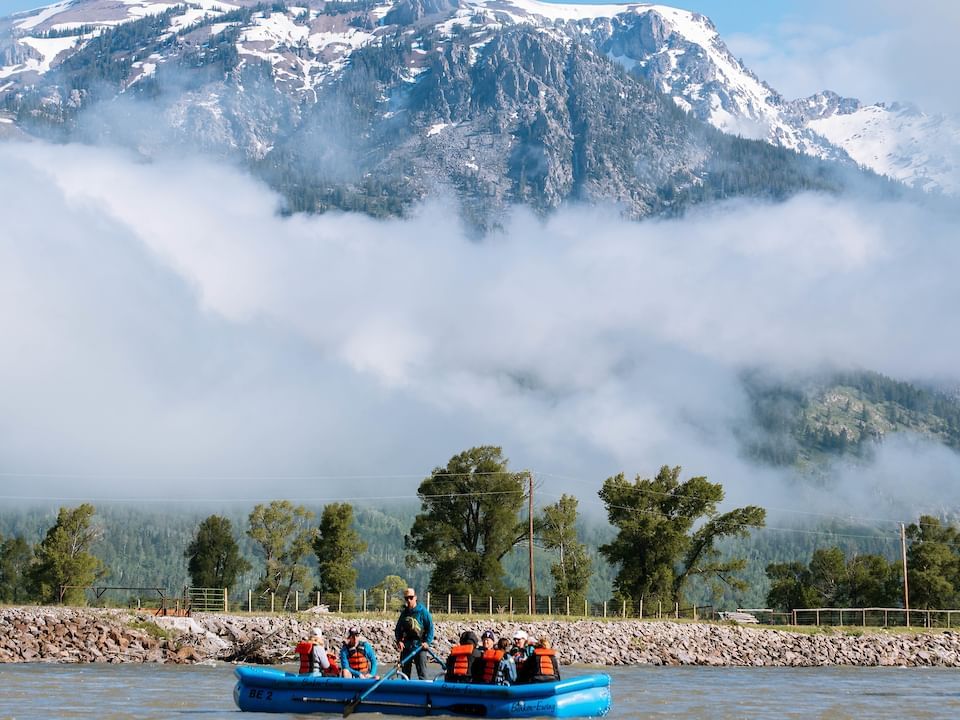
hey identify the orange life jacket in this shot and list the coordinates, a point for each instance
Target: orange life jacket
(490, 661)
(334, 669)
(545, 664)
(460, 663)
(358, 659)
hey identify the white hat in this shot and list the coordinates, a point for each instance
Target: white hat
(520, 635)
(316, 632)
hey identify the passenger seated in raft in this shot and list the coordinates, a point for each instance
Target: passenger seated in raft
(459, 667)
(314, 658)
(357, 657)
(494, 666)
(542, 666)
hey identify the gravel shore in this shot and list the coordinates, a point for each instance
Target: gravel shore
(80, 635)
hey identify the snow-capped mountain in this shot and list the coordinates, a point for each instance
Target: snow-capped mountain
(443, 56)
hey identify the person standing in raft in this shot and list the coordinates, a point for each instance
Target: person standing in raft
(314, 658)
(414, 629)
(357, 657)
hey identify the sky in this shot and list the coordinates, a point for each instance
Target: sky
(168, 335)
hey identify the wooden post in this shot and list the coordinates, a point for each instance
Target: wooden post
(794, 613)
(470, 604)
(364, 599)
(549, 604)
(864, 617)
(885, 617)
(272, 598)
(384, 601)
(623, 610)
(249, 601)
(694, 612)
(568, 604)
(676, 610)
(841, 617)
(340, 603)
(490, 598)
(604, 608)
(511, 604)
(641, 607)
(818, 617)
(318, 598)
(296, 601)
(226, 600)
(906, 588)
(529, 606)
(449, 604)
(659, 609)
(428, 600)
(586, 608)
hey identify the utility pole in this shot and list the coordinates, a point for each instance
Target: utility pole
(533, 586)
(906, 588)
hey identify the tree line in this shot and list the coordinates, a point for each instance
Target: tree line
(670, 541)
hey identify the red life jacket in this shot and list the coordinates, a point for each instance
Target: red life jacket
(545, 665)
(334, 669)
(358, 659)
(305, 651)
(490, 663)
(460, 663)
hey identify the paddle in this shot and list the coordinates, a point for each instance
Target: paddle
(436, 657)
(352, 705)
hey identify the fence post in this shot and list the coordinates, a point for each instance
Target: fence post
(490, 598)
(511, 604)
(226, 600)
(864, 617)
(841, 617)
(659, 609)
(384, 601)
(549, 605)
(470, 604)
(794, 613)
(340, 603)
(694, 612)
(604, 608)
(884, 617)
(364, 599)
(568, 604)
(676, 610)
(296, 601)
(449, 605)
(623, 611)
(529, 605)
(818, 616)
(249, 600)
(428, 601)
(272, 597)
(641, 607)
(586, 608)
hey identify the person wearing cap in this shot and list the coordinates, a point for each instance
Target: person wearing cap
(459, 666)
(521, 649)
(313, 655)
(414, 629)
(357, 657)
(490, 668)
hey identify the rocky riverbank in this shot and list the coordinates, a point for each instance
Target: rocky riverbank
(75, 635)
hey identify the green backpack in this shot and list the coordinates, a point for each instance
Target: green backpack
(412, 628)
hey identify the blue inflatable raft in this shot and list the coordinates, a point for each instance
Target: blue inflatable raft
(270, 690)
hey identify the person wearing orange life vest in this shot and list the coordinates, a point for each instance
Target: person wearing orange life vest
(459, 667)
(314, 658)
(357, 658)
(494, 666)
(542, 666)
(521, 650)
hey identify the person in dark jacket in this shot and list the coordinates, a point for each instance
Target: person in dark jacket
(542, 666)
(414, 629)
(459, 665)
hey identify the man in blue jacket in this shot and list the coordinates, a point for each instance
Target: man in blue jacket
(414, 629)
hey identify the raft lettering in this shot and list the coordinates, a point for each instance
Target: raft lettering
(532, 708)
(258, 694)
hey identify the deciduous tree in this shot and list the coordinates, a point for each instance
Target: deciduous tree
(284, 536)
(214, 556)
(64, 564)
(336, 546)
(571, 572)
(933, 564)
(470, 520)
(656, 548)
(15, 558)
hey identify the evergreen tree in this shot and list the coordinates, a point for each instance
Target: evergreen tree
(470, 520)
(336, 546)
(571, 572)
(15, 559)
(656, 549)
(214, 556)
(284, 537)
(64, 564)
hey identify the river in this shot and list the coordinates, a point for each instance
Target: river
(45, 691)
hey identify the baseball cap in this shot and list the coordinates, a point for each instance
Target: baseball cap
(353, 630)
(520, 635)
(488, 634)
(316, 632)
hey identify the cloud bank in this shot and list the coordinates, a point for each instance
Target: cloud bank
(168, 334)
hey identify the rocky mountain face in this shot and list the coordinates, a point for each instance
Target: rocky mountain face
(373, 104)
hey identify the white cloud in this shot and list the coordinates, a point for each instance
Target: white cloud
(162, 320)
